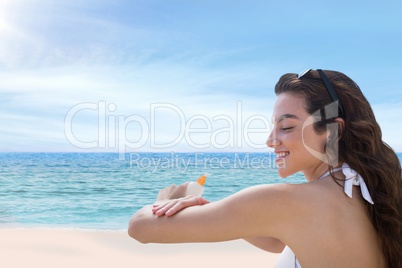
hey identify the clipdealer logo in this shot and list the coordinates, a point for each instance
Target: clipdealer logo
(182, 162)
(219, 131)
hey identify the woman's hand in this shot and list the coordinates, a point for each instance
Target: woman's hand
(172, 192)
(171, 207)
(172, 199)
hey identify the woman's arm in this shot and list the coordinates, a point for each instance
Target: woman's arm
(254, 212)
(170, 206)
(269, 244)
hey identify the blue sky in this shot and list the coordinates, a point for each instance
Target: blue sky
(113, 75)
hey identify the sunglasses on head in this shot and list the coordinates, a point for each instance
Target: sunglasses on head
(329, 87)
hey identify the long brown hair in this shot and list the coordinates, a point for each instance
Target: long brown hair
(360, 145)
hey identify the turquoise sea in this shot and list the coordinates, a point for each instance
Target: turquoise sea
(101, 191)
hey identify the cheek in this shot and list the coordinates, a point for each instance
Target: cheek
(313, 140)
(294, 140)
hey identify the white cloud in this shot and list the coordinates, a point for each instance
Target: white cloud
(38, 101)
(57, 54)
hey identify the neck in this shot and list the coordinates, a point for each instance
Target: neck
(319, 170)
(316, 172)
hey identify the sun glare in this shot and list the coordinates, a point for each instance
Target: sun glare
(4, 8)
(13, 14)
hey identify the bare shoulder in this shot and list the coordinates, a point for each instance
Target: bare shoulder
(268, 196)
(276, 204)
(296, 195)
(294, 201)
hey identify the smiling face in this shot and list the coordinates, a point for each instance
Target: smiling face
(294, 140)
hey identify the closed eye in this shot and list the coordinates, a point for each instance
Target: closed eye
(286, 128)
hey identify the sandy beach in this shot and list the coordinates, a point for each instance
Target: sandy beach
(80, 248)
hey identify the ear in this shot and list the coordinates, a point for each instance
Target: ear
(341, 125)
(335, 131)
(338, 125)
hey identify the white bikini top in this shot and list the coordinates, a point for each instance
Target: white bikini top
(288, 259)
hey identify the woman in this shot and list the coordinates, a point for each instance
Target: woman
(347, 215)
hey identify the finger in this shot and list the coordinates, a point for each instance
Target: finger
(162, 211)
(202, 201)
(189, 201)
(161, 203)
(156, 207)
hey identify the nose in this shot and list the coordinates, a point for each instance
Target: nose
(272, 142)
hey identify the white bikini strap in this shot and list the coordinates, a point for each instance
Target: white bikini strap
(353, 178)
(328, 172)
